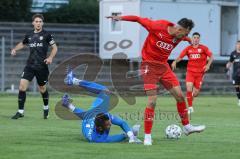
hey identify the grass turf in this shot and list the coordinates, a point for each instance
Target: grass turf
(33, 137)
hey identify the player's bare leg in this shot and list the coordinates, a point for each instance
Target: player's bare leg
(182, 111)
(45, 96)
(149, 116)
(189, 96)
(21, 98)
(195, 92)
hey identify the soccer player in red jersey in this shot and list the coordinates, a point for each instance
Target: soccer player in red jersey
(199, 61)
(163, 37)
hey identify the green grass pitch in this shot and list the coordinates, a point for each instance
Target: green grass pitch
(33, 137)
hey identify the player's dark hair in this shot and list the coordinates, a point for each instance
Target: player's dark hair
(186, 23)
(37, 16)
(100, 120)
(238, 41)
(196, 33)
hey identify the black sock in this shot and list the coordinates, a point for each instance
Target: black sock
(21, 99)
(45, 97)
(238, 92)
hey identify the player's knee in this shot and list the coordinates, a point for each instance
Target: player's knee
(152, 104)
(22, 87)
(195, 94)
(42, 89)
(180, 98)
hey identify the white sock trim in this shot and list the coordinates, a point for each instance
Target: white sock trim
(71, 107)
(45, 107)
(149, 136)
(21, 111)
(187, 126)
(76, 81)
(130, 134)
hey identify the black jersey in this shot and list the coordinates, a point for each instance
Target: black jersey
(235, 58)
(38, 44)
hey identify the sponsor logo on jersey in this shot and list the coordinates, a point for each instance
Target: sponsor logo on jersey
(236, 60)
(164, 45)
(161, 36)
(174, 40)
(195, 56)
(36, 44)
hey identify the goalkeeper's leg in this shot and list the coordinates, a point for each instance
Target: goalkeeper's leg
(89, 86)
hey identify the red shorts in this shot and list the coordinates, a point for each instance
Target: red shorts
(195, 78)
(153, 74)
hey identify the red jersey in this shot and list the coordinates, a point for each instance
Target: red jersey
(197, 57)
(159, 43)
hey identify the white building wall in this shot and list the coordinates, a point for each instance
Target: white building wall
(206, 17)
(126, 36)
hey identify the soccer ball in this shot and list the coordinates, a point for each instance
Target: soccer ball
(173, 131)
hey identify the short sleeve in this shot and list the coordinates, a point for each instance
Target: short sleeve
(50, 39)
(25, 40)
(231, 59)
(208, 52)
(184, 52)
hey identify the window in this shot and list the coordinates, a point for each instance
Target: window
(116, 26)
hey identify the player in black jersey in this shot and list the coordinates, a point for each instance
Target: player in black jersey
(235, 61)
(38, 40)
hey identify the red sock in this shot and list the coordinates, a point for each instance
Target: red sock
(182, 111)
(189, 98)
(148, 120)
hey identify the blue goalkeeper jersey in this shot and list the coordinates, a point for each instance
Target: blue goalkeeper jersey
(90, 133)
(100, 105)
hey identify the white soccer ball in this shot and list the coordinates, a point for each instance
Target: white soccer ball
(173, 131)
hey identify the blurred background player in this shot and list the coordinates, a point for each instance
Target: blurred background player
(97, 121)
(38, 41)
(235, 61)
(163, 37)
(199, 61)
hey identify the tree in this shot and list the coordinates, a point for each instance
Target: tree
(77, 11)
(15, 10)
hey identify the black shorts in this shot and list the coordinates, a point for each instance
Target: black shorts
(41, 74)
(236, 80)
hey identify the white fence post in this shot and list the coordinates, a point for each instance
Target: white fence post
(95, 42)
(3, 65)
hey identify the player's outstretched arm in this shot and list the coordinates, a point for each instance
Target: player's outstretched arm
(186, 38)
(145, 22)
(210, 60)
(19, 46)
(228, 65)
(230, 62)
(180, 57)
(120, 122)
(208, 65)
(174, 63)
(52, 54)
(125, 127)
(117, 18)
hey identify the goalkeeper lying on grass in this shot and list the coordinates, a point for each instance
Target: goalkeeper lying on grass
(96, 122)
